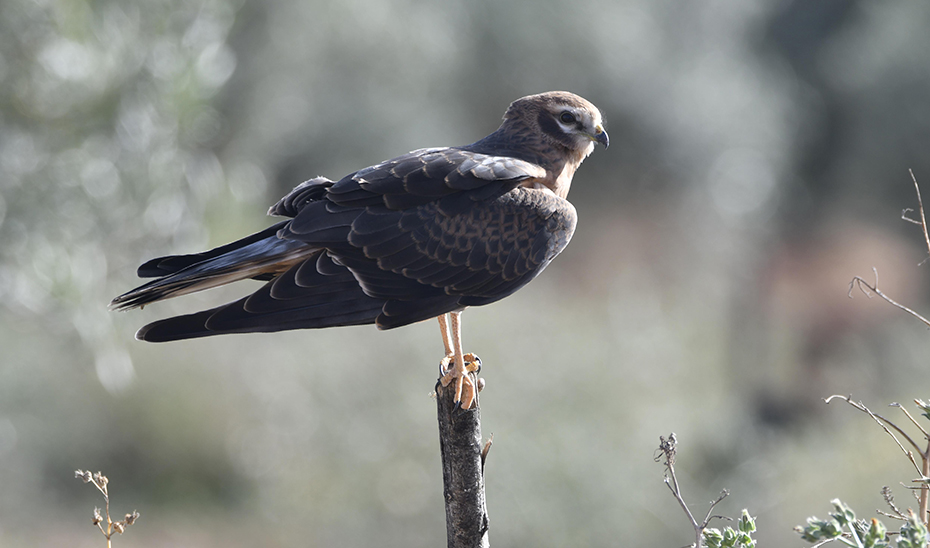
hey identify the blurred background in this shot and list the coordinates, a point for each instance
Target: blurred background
(758, 162)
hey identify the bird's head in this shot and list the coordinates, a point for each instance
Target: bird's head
(563, 118)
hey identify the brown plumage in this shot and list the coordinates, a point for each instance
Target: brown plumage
(419, 236)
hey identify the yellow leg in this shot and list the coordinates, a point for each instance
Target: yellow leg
(465, 390)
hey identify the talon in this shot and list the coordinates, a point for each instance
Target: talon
(459, 388)
(472, 363)
(466, 389)
(445, 366)
(466, 396)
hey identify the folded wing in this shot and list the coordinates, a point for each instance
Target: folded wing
(408, 239)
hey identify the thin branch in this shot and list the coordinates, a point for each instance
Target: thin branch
(889, 500)
(920, 203)
(667, 447)
(882, 421)
(823, 542)
(866, 288)
(923, 469)
(889, 515)
(917, 424)
(100, 482)
(923, 500)
(667, 452)
(923, 497)
(707, 517)
(486, 450)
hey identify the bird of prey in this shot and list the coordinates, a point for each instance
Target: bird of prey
(420, 236)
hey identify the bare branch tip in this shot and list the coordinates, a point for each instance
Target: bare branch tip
(486, 449)
(865, 287)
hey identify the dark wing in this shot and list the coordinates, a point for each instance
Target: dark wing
(438, 229)
(315, 293)
(432, 174)
(406, 240)
(484, 252)
(308, 191)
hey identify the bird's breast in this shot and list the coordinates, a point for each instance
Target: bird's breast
(557, 180)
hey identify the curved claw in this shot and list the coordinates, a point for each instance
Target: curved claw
(472, 362)
(466, 387)
(466, 392)
(445, 366)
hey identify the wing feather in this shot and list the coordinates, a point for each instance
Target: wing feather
(490, 248)
(398, 242)
(309, 191)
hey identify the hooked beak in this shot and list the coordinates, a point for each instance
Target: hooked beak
(600, 136)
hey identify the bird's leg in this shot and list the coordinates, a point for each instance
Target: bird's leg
(444, 328)
(465, 389)
(444, 364)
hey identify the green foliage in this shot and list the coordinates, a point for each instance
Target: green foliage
(876, 535)
(844, 527)
(913, 533)
(741, 537)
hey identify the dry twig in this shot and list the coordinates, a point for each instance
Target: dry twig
(100, 482)
(666, 452)
(923, 219)
(923, 497)
(889, 500)
(868, 289)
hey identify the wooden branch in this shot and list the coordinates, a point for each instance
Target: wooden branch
(462, 470)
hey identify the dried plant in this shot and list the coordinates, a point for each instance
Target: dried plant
(100, 482)
(842, 526)
(741, 537)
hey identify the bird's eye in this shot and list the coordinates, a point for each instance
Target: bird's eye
(567, 117)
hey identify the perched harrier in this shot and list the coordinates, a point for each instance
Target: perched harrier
(420, 236)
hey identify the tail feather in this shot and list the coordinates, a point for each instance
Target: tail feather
(163, 266)
(313, 292)
(306, 287)
(261, 312)
(188, 326)
(193, 326)
(234, 318)
(256, 256)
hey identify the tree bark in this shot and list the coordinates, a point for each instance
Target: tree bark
(462, 471)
